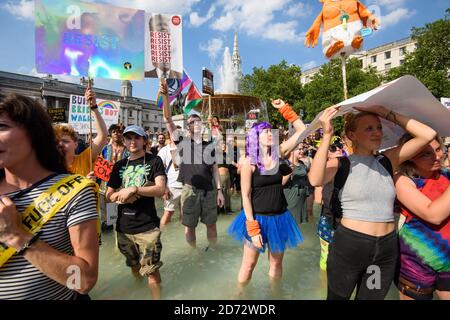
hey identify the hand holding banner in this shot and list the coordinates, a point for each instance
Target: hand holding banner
(405, 95)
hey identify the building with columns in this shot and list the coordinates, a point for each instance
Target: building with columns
(382, 58)
(55, 94)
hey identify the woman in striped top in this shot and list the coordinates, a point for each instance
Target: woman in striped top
(62, 262)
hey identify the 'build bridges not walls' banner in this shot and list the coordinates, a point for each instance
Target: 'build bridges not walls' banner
(79, 113)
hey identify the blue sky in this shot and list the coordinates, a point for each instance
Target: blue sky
(268, 31)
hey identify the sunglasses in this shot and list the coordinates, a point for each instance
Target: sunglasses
(190, 123)
(333, 149)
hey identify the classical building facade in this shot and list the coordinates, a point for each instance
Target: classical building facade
(382, 58)
(55, 94)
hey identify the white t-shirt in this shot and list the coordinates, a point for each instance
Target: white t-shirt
(172, 174)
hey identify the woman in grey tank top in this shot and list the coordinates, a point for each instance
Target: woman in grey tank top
(364, 251)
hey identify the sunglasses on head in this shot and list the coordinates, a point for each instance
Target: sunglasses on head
(333, 148)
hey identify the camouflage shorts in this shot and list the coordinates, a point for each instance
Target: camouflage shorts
(143, 249)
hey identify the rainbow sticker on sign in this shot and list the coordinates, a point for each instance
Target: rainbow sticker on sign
(106, 104)
(88, 39)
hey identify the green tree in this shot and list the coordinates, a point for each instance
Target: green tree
(430, 62)
(326, 87)
(278, 81)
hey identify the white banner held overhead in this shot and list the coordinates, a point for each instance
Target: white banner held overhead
(163, 46)
(79, 113)
(407, 96)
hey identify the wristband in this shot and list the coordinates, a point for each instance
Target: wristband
(288, 114)
(94, 107)
(252, 227)
(391, 113)
(28, 244)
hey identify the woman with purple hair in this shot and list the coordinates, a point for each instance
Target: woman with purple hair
(265, 220)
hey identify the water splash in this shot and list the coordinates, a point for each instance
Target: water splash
(228, 82)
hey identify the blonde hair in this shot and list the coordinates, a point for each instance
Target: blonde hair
(62, 129)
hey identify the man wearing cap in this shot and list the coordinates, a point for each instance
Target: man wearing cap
(133, 184)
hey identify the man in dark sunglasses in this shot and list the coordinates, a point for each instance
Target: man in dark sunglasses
(201, 192)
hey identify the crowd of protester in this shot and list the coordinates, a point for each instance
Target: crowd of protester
(280, 185)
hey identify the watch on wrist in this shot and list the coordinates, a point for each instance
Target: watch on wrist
(28, 244)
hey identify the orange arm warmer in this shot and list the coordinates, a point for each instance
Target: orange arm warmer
(288, 114)
(252, 228)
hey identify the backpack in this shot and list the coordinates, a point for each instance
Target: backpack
(334, 212)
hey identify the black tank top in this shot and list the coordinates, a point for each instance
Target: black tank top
(267, 193)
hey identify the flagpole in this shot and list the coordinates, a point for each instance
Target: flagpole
(90, 127)
(164, 98)
(344, 75)
(209, 105)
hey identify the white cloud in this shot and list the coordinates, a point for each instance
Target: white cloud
(225, 23)
(23, 10)
(395, 17)
(33, 72)
(197, 21)
(213, 47)
(257, 18)
(390, 4)
(283, 31)
(309, 65)
(299, 10)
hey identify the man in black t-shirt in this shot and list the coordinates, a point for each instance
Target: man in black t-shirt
(161, 144)
(201, 192)
(133, 184)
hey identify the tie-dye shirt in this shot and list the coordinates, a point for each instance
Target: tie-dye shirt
(426, 243)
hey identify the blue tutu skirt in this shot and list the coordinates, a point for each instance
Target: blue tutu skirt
(278, 232)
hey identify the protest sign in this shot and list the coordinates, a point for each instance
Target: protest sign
(163, 46)
(103, 168)
(207, 82)
(251, 118)
(57, 114)
(407, 96)
(79, 113)
(89, 39)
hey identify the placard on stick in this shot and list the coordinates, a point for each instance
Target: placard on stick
(89, 39)
(103, 168)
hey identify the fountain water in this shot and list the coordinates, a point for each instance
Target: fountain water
(228, 79)
(230, 106)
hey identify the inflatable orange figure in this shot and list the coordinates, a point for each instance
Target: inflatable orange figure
(343, 22)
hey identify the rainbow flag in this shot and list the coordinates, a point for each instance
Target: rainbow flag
(159, 102)
(193, 99)
(177, 87)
